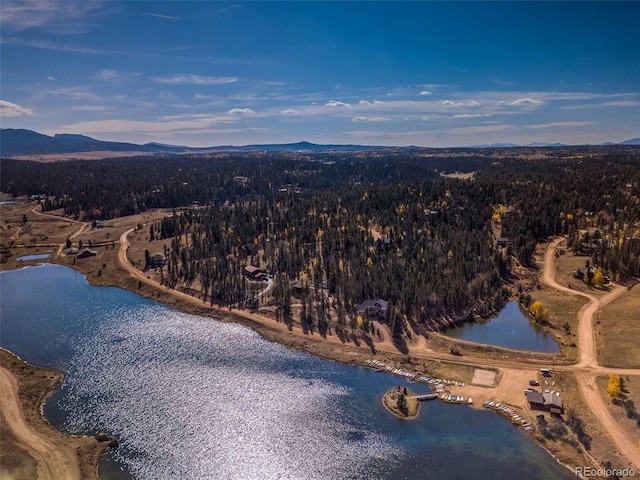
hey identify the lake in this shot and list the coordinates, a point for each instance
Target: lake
(35, 256)
(512, 328)
(191, 397)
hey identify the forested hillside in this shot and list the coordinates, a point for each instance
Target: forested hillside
(338, 228)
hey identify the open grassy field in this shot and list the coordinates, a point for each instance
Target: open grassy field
(563, 317)
(631, 398)
(617, 331)
(571, 451)
(565, 266)
(38, 234)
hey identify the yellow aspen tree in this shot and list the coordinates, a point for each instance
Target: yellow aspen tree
(614, 388)
(536, 309)
(598, 277)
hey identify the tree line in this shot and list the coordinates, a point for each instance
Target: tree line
(338, 228)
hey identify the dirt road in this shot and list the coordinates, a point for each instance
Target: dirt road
(55, 460)
(587, 367)
(586, 339)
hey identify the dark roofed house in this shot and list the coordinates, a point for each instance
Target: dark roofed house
(374, 309)
(254, 273)
(549, 402)
(157, 260)
(86, 252)
(502, 241)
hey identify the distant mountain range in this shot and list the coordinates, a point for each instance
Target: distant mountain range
(15, 142)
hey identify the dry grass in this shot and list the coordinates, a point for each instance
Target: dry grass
(630, 393)
(96, 155)
(563, 311)
(38, 235)
(459, 176)
(34, 385)
(15, 462)
(438, 369)
(617, 331)
(565, 266)
(571, 452)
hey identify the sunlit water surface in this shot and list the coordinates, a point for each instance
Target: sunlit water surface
(190, 397)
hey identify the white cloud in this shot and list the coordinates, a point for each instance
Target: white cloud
(369, 119)
(469, 103)
(482, 129)
(473, 115)
(8, 109)
(520, 101)
(289, 111)
(107, 74)
(188, 79)
(622, 103)
(367, 102)
(61, 17)
(116, 77)
(91, 108)
(241, 111)
(164, 17)
(333, 103)
(558, 124)
(50, 78)
(425, 92)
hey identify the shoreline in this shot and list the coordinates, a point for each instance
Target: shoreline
(411, 403)
(421, 354)
(348, 354)
(34, 445)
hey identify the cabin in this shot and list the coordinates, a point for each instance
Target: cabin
(157, 260)
(255, 273)
(502, 242)
(549, 402)
(298, 287)
(85, 252)
(374, 309)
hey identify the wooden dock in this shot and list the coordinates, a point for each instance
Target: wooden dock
(426, 396)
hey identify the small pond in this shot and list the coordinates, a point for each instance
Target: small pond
(35, 256)
(512, 328)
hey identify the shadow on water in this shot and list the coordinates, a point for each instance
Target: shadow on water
(511, 328)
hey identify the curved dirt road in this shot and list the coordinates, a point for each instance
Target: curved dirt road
(588, 358)
(586, 339)
(55, 460)
(83, 225)
(585, 369)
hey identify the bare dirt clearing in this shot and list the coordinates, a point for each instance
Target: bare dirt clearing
(483, 377)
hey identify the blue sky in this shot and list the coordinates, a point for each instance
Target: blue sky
(384, 73)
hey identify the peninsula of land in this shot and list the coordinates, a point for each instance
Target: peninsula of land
(401, 402)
